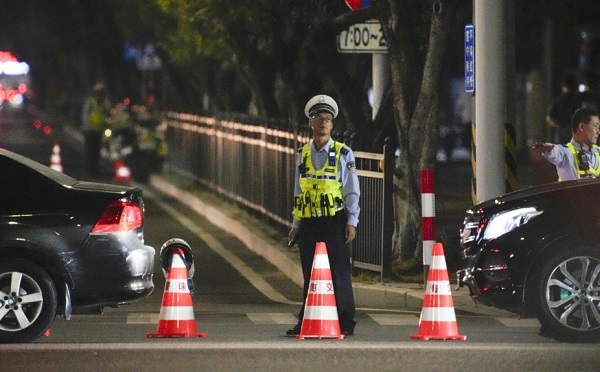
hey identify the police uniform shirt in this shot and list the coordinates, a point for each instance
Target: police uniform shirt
(564, 161)
(346, 175)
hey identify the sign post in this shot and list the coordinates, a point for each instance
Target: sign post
(368, 38)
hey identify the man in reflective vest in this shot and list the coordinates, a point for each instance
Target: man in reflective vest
(326, 207)
(580, 158)
(96, 109)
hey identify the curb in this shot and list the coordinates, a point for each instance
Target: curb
(400, 297)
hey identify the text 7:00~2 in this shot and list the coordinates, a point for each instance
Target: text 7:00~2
(362, 38)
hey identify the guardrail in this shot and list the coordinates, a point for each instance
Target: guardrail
(253, 165)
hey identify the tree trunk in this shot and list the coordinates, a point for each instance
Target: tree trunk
(415, 106)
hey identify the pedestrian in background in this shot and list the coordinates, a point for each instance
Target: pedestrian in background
(580, 157)
(326, 207)
(562, 109)
(96, 110)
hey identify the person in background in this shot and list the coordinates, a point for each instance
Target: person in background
(96, 110)
(580, 157)
(562, 109)
(326, 207)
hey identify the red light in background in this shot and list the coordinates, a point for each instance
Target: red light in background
(127, 101)
(22, 88)
(37, 124)
(47, 130)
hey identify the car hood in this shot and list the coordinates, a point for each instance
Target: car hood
(554, 190)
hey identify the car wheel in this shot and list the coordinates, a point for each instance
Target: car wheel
(28, 301)
(569, 296)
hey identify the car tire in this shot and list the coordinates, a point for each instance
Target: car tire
(28, 300)
(568, 310)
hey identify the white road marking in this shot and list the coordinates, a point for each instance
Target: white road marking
(272, 318)
(515, 322)
(246, 271)
(395, 319)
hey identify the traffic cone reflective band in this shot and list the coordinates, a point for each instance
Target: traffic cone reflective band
(320, 310)
(438, 320)
(176, 317)
(122, 172)
(55, 159)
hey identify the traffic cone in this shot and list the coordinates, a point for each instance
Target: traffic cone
(55, 159)
(438, 320)
(320, 310)
(122, 172)
(177, 312)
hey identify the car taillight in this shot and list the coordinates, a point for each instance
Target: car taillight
(119, 216)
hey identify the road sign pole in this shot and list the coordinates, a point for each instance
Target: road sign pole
(381, 79)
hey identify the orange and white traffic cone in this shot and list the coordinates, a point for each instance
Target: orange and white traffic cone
(320, 310)
(177, 312)
(122, 172)
(55, 159)
(438, 320)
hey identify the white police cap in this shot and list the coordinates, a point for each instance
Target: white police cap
(321, 103)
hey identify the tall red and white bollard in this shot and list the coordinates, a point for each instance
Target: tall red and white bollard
(427, 216)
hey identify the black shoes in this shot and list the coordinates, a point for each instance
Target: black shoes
(348, 329)
(294, 331)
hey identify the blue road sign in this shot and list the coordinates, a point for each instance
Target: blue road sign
(470, 59)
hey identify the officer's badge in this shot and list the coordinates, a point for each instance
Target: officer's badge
(351, 166)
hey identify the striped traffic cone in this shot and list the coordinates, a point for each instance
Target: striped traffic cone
(177, 312)
(438, 320)
(320, 310)
(55, 159)
(122, 172)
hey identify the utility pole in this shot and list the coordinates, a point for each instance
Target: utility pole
(494, 77)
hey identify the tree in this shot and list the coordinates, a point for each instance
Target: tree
(291, 44)
(416, 62)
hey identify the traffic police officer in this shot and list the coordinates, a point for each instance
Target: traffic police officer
(579, 158)
(326, 207)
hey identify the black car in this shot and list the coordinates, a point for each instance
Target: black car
(66, 247)
(537, 252)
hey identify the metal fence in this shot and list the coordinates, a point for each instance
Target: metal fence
(253, 165)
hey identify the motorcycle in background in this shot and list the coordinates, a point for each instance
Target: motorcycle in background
(134, 136)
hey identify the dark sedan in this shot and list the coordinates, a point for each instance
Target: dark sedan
(537, 252)
(66, 247)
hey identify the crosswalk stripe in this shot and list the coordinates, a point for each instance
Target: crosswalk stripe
(270, 318)
(142, 318)
(289, 318)
(516, 322)
(395, 319)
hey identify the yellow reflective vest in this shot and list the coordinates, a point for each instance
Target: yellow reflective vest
(581, 173)
(321, 194)
(97, 117)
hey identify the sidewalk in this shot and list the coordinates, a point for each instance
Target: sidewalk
(272, 245)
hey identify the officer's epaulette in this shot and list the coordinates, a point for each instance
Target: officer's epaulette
(345, 150)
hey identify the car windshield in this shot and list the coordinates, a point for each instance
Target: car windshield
(52, 174)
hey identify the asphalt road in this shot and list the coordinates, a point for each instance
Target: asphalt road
(245, 305)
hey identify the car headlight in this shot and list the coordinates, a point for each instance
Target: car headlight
(504, 222)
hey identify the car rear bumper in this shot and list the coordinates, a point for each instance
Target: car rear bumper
(118, 270)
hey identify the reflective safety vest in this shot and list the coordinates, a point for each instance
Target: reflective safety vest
(587, 173)
(97, 117)
(321, 189)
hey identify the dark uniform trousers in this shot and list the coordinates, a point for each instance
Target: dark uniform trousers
(331, 231)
